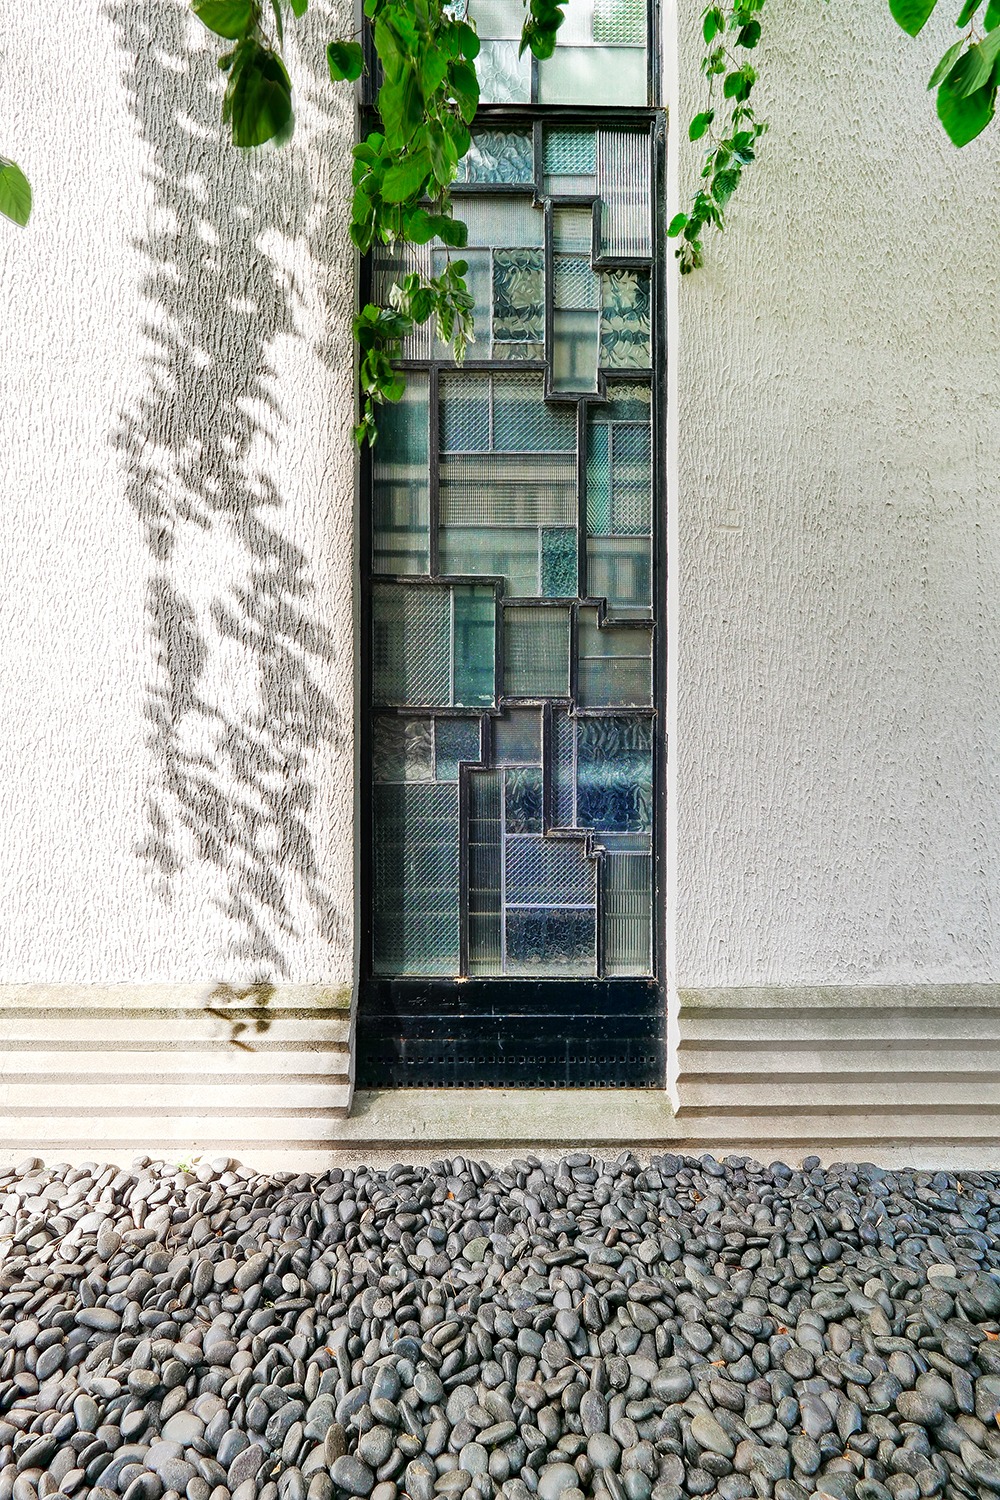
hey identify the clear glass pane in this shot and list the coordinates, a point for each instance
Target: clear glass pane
(400, 514)
(475, 646)
(517, 737)
(477, 278)
(403, 749)
(411, 647)
(615, 664)
(615, 774)
(556, 942)
(627, 914)
(416, 880)
(499, 156)
(536, 652)
(625, 327)
(456, 742)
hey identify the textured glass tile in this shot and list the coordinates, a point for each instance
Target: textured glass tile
(507, 489)
(497, 18)
(630, 401)
(598, 478)
(514, 353)
(553, 942)
(485, 873)
(411, 647)
(456, 741)
(576, 285)
(624, 185)
(621, 23)
(570, 153)
(504, 75)
(389, 265)
(619, 569)
(615, 774)
(625, 329)
(506, 552)
(403, 749)
(524, 422)
(517, 737)
(518, 296)
(559, 562)
(475, 646)
(477, 279)
(627, 914)
(465, 412)
(547, 872)
(574, 350)
(506, 223)
(536, 652)
(400, 483)
(573, 231)
(416, 880)
(563, 769)
(499, 156)
(523, 800)
(593, 76)
(614, 665)
(632, 480)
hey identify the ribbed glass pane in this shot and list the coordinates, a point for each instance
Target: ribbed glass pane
(627, 914)
(456, 742)
(485, 873)
(625, 328)
(559, 562)
(536, 652)
(624, 185)
(403, 749)
(400, 515)
(498, 156)
(615, 664)
(465, 412)
(416, 880)
(517, 737)
(615, 774)
(556, 942)
(411, 646)
(547, 872)
(507, 489)
(524, 422)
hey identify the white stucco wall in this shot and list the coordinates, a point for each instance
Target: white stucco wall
(176, 637)
(835, 537)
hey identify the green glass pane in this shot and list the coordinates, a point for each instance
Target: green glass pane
(400, 483)
(403, 749)
(518, 296)
(536, 652)
(559, 562)
(517, 737)
(465, 412)
(632, 480)
(411, 646)
(499, 156)
(627, 910)
(615, 774)
(625, 327)
(619, 570)
(598, 479)
(456, 742)
(485, 916)
(475, 646)
(416, 880)
(627, 401)
(614, 664)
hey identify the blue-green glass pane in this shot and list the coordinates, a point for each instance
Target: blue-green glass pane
(475, 646)
(620, 23)
(557, 942)
(598, 479)
(400, 483)
(506, 552)
(499, 156)
(416, 880)
(411, 645)
(465, 413)
(615, 774)
(559, 562)
(625, 326)
(536, 652)
(456, 742)
(614, 664)
(523, 800)
(518, 296)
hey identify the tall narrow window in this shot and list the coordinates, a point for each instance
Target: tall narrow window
(513, 526)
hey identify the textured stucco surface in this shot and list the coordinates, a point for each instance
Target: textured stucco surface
(835, 538)
(176, 637)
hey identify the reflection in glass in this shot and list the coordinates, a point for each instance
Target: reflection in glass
(400, 515)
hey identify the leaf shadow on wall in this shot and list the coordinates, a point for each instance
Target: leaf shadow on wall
(239, 703)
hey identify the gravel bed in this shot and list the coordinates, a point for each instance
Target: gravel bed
(561, 1330)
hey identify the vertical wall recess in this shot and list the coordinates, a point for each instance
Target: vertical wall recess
(511, 622)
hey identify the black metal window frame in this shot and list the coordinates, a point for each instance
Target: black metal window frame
(510, 1030)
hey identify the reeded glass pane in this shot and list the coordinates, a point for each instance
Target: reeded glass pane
(416, 880)
(614, 666)
(403, 749)
(536, 652)
(411, 646)
(627, 914)
(523, 800)
(507, 489)
(485, 918)
(615, 774)
(559, 562)
(557, 942)
(624, 175)
(400, 515)
(498, 156)
(625, 331)
(456, 742)
(517, 737)
(475, 646)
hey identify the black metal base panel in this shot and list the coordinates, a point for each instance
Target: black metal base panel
(416, 1033)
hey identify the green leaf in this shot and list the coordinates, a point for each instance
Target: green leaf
(992, 17)
(964, 116)
(946, 64)
(405, 179)
(967, 12)
(452, 231)
(299, 8)
(418, 226)
(912, 15)
(468, 41)
(975, 68)
(713, 22)
(15, 193)
(677, 225)
(345, 61)
(700, 124)
(258, 98)
(443, 156)
(228, 18)
(749, 35)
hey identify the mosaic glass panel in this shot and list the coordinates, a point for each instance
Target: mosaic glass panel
(512, 523)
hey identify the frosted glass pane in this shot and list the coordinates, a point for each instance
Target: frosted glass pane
(400, 515)
(504, 76)
(506, 552)
(536, 652)
(574, 350)
(555, 942)
(593, 75)
(615, 664)
(619, 570)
